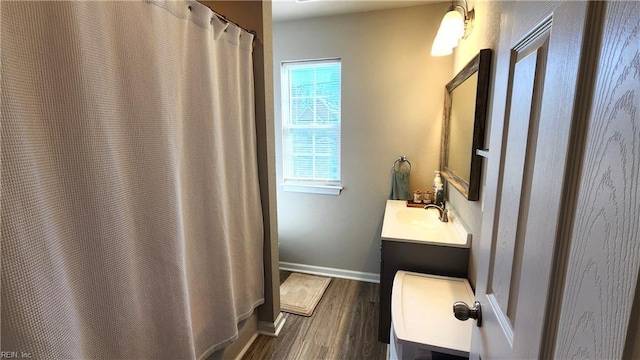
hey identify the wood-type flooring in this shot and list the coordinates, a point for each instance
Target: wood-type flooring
(344, 325)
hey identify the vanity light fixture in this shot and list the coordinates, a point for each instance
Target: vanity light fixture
(456, 24)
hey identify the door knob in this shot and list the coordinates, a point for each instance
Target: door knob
(462, 312)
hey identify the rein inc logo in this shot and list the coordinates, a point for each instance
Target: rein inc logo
(15, 355)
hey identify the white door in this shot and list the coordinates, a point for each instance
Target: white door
(597, 316)
(534, 107)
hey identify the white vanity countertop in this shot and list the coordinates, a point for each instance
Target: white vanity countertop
(417, 225)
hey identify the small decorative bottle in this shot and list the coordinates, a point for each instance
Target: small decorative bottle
(427, 197)
(417, 196)
(440, 195)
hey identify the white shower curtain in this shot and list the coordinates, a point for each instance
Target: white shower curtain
(131, 219)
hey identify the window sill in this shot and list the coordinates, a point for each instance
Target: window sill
(314, 189)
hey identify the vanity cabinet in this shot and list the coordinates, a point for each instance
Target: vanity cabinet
(415, 240)
(415, 257)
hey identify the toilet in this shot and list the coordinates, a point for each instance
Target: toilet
(422, 321)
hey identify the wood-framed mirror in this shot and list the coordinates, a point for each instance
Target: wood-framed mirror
(465, 112)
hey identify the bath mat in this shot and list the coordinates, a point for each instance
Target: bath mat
(300, 293)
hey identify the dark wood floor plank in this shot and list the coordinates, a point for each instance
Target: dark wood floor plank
(349, 341)
(328, 323)
(310, 350)
(361, 339)
(343, 326)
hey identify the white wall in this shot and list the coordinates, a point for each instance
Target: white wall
(484, 35)
(392, 99)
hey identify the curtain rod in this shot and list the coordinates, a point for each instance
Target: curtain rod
(224, 18)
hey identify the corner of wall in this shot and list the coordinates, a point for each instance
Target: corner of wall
(484, 35)
(270, 311)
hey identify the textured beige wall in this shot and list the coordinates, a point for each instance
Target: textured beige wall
(392, 100)
(485, 35)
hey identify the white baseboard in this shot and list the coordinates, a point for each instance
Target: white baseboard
(272, 328)
(331, 272)
(246, 347)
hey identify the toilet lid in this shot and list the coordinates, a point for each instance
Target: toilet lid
(422, 311)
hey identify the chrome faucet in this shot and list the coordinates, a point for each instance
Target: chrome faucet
(444, 217)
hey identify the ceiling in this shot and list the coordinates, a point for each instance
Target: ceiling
(284, 10)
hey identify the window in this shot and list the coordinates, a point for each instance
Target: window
(311, 126)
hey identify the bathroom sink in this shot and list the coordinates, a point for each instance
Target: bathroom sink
(402, 223)
(424, 218)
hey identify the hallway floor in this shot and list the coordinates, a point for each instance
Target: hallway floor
(344, 325)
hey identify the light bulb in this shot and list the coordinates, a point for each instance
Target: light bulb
(442, 45)
(449, 34)
(453, 24)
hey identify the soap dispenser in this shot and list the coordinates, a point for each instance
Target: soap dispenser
(438, 189)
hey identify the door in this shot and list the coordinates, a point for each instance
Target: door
(597, 316)
(535, 100)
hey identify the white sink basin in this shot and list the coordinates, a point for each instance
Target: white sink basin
(425, 219)
(402, 223)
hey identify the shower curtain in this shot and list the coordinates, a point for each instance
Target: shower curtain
(131, 219)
